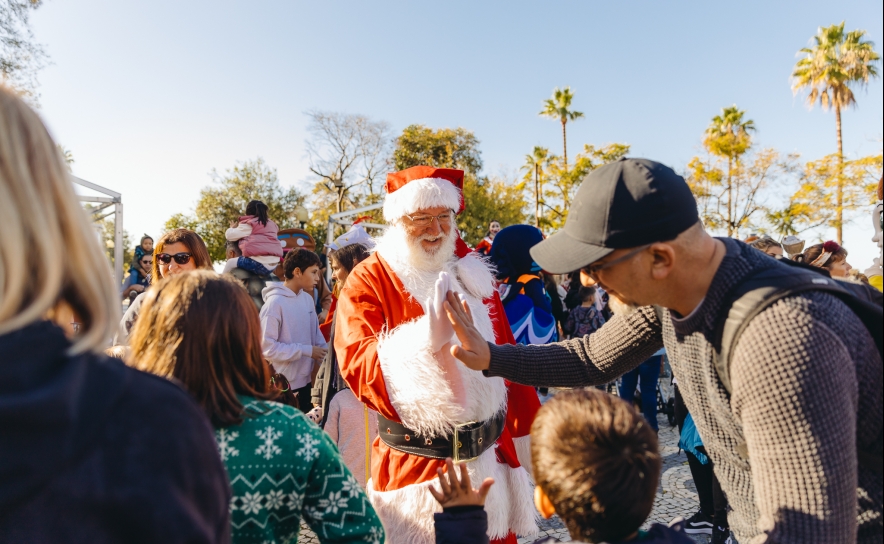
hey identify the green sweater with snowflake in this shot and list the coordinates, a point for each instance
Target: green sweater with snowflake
(283, 468)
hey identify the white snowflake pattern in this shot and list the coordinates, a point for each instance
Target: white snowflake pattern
(274, 500)
(375, 536)
(309, 450)
(350, 485)
(268, 449)
(224, 438)
(313, 513)
(334, 501)
(294, 501)
(251, 503)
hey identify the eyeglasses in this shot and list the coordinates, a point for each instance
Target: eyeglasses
(593, 270)
(180, 258)
(424, 220)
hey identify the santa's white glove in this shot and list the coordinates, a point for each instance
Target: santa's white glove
(441, 330)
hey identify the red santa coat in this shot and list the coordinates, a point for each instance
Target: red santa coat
(381, 340)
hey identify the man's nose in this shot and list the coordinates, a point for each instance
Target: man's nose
(434, 227)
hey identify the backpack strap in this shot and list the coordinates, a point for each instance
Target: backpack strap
(761, 290)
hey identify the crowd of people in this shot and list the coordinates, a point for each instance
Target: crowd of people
(402, 404)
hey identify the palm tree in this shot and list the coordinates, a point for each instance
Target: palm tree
(534, 163)
(558, 107)
(837, 60)
(728, 136)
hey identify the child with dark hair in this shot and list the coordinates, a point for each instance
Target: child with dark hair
(588, 317)
(292, 341)
(144, 247)
(596, 464)
(258, 242)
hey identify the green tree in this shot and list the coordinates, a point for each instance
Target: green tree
(21, 57)
(559, 108)
(836, 61)
(728, 136)
(225, 201)
(563, 182)
(535, 162)
(485, 198)
(442, 148)
(824, 183)
(734, 199)
(490, 199)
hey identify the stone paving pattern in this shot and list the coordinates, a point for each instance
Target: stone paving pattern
(676, 495)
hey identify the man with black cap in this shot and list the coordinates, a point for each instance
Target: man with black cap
(791, 426)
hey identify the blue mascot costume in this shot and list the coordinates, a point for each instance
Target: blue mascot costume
(524, 297)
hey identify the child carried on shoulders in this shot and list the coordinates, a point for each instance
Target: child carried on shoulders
(257, 237)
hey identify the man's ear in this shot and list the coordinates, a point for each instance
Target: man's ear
(543, 504)
(663, 256)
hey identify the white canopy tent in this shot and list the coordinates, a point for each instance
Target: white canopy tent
(111, 204)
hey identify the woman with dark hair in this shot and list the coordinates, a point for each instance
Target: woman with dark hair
(328, 380)
(830, 256)
(179, 250)
(202, 330)
(484, 246)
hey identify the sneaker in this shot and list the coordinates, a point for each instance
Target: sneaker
(721, 535)
(699, 524)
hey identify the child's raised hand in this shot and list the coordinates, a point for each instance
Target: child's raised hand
(319, 353)
(459, 491)
(234, 223)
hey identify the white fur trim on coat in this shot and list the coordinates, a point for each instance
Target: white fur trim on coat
(416, 383)
(407, 513)
(523, 452)
(420, 194)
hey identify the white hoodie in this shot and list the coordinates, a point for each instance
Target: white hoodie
(291, 329)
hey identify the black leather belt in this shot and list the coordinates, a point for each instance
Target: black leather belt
(468, 441)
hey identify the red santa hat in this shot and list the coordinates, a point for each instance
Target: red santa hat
(422, 187)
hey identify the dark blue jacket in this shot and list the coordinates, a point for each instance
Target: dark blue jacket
(94, 451)
(469, 525)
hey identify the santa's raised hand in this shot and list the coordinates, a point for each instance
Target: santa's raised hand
(441, 330)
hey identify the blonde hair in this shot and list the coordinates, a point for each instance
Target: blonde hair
(42, 221)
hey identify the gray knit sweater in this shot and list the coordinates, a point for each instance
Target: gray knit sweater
(807, 389)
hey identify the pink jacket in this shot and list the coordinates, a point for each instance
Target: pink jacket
(263, 239)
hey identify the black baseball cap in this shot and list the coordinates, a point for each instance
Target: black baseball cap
(628, 203)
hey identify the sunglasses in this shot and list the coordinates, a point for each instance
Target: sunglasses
(180, 258)
(147, 262)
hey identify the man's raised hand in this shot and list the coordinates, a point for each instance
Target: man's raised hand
(440, 327)
(473, 351)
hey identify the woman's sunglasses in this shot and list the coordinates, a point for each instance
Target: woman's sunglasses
(180, 258)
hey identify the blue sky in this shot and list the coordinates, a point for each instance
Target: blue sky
(151, 96)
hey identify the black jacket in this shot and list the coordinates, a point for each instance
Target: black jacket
(469, 525)
(93, 451)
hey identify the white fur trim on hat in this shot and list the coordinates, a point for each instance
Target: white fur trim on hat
(420, 194)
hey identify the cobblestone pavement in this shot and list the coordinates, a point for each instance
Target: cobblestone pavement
(676, 495)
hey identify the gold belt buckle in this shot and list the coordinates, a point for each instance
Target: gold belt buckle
(456, 444)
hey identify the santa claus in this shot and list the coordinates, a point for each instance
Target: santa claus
(393, 342)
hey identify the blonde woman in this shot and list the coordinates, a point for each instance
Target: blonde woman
(92, 451)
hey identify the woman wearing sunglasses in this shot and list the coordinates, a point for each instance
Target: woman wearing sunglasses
(179, 250)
